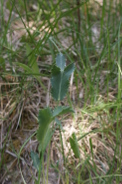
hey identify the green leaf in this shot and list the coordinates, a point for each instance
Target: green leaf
(32, 67)
(32, 61)
(25, 67)
(46, 140)
(61, 110)
(31, 71)
(60, 61)
(60, 81)
(74, 145)
(58, 122)
(44, 118)
(28, 53)
(36, 160)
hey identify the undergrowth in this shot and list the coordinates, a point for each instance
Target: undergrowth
(84, 147)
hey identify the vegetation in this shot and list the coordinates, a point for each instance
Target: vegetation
(77, 44)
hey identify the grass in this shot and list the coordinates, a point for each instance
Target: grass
(30, 38)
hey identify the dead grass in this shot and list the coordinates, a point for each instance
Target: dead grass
(93, 125)
(89, 125)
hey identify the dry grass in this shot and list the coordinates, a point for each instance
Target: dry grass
(94, 126)
(20, 112)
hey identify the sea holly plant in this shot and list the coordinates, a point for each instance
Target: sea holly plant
(59, 88)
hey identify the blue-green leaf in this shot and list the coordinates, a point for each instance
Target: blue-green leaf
(60, 61)
(46, 140)
(45, 116)
(60, 81)
(61, 110)
(44, 119)
(36, 160)
(58, 122)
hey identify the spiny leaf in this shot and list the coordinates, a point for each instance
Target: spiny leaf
(61, 110)
(74, 145)
(60, 61)
(60, 81)
(44, 116)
